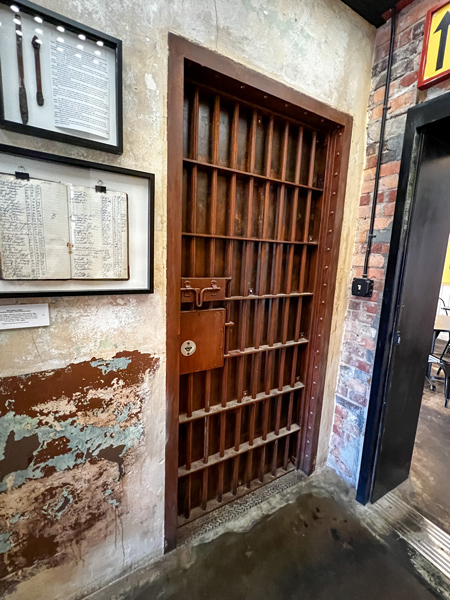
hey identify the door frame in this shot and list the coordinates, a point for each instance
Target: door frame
(284, 99)
(421, 120)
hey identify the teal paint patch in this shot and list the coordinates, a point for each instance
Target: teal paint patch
(15, 518)
(115, 364)
(85, 442)
(5, 543)
(60, 419)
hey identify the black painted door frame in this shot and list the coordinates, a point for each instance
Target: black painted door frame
(431, 118)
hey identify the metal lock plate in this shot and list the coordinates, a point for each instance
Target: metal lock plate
(188, 348)
(203, 331)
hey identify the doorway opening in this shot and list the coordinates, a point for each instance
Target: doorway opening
(256, 184)
(408, 426)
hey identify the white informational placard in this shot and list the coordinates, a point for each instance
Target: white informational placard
(140, 251)
(77, 77)
(21, 316)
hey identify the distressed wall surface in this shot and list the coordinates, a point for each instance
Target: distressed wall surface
(363, 314)
(83, 401)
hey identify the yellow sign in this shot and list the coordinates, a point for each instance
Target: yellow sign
(435, 62)
(446, 275)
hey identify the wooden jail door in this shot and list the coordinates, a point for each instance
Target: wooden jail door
(255, 222)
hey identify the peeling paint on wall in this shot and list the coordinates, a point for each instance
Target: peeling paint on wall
(74, 427)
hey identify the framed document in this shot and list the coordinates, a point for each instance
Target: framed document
(69, 226)
(59, 79)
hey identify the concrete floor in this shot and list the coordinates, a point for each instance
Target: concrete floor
(427, 490)
(311, 549)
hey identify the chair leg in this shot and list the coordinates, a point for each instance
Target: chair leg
(447, 389)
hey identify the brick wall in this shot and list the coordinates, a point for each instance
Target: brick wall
(363, 314)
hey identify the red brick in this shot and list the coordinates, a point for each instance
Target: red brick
(382, 222)
(383, 35)
(366, 187)
(341, 411)
(351, 429)
(408, 79)
(405, 100)
(376, 273)
(378, 248)
(371, 161)
(378, 96)
(389, 196)
(363, 366)
(381, 52)
(403, 38)
(369, 174)
(376, 113)
(357, 397)
(388, 209)
(368, 343)
(365, 200)
(361, 236)
(342, 390)
(370, 307)
(364, 212)
(392, 168)
(389, 182)
(413, 14)
(376, 260)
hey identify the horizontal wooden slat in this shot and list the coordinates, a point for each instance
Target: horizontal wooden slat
(238, 238)
(321, 125)
(206, 165)
(215, 459)
(242, 490)
(269, 296)
(276, 346)
(233, 404)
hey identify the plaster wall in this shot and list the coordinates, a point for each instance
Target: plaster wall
(96, 507)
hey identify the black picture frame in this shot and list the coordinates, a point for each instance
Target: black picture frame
(84, 164)
(72, 26)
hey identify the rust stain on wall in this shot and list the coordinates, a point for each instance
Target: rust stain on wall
(64, 438)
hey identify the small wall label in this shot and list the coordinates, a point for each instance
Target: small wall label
(20, 316)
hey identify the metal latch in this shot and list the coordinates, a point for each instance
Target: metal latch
(203, 289)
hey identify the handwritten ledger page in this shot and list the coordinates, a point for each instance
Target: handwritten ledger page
(53, 231)
(99, 226)
(34, 229)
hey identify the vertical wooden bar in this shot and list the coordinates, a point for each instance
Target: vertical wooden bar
(249, 468)
(213, 206)
(275, 458)
(187, 498)
(235, 476)
(206, 440)
(189, 425)
(286, 452)
(263, 247)
(205, 489)
(194, 175)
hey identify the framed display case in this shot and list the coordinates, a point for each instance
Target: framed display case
(59, 79)
(70, 226)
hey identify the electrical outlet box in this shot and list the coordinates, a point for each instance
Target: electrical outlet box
(362, 287)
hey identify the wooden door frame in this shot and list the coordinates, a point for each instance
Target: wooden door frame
(290, 101)
(422, 119)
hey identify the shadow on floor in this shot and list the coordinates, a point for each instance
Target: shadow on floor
(312, 549)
